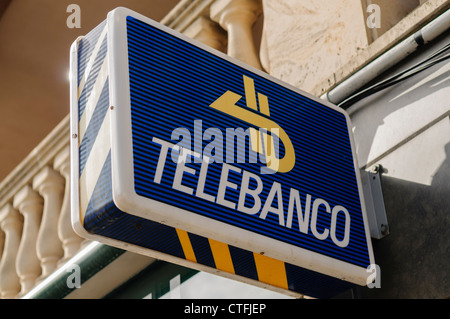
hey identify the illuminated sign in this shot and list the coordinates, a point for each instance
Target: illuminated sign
(185, 154)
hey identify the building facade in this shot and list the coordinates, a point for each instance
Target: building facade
(385, 62)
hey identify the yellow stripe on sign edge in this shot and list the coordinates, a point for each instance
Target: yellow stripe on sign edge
(186, 245)
(221, 255)
(271, 271)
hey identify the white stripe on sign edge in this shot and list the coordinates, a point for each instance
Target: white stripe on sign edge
(91, 61)
(93, 99)
(94, 164)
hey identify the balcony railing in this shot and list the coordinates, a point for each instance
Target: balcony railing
(36, 236)
(35, 216)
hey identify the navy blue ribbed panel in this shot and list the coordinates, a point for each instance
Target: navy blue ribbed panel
(313, 284)
(104, 218)
(87, 44)
(243, 262)
(163, 99)
(202, 250)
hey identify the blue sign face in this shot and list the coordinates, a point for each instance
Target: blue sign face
(205, 145)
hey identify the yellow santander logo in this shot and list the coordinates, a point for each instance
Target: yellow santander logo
(261, 141)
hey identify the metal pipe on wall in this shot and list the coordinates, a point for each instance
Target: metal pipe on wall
(390, 58)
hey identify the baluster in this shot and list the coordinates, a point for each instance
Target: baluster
(2, 243)
(207, 32)
(237, 18)
(29, 204)
(11, 223)
(70, 240)
(49, 249)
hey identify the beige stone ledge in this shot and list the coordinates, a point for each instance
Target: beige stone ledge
(185, 13)
(407, 26)
(42, 155)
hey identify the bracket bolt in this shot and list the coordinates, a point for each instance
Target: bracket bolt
(384, 229)
(376, 168)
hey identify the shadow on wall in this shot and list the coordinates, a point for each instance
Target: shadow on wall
(414, 258)
(385, 119)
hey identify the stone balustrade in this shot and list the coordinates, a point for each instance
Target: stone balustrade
(28, 268)
(237, 18)
(11, 224)
(36, 236)
(225, 25)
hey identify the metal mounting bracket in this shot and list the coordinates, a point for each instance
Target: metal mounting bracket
(373, 196)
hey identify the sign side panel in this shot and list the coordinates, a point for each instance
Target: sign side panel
(90, 143)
